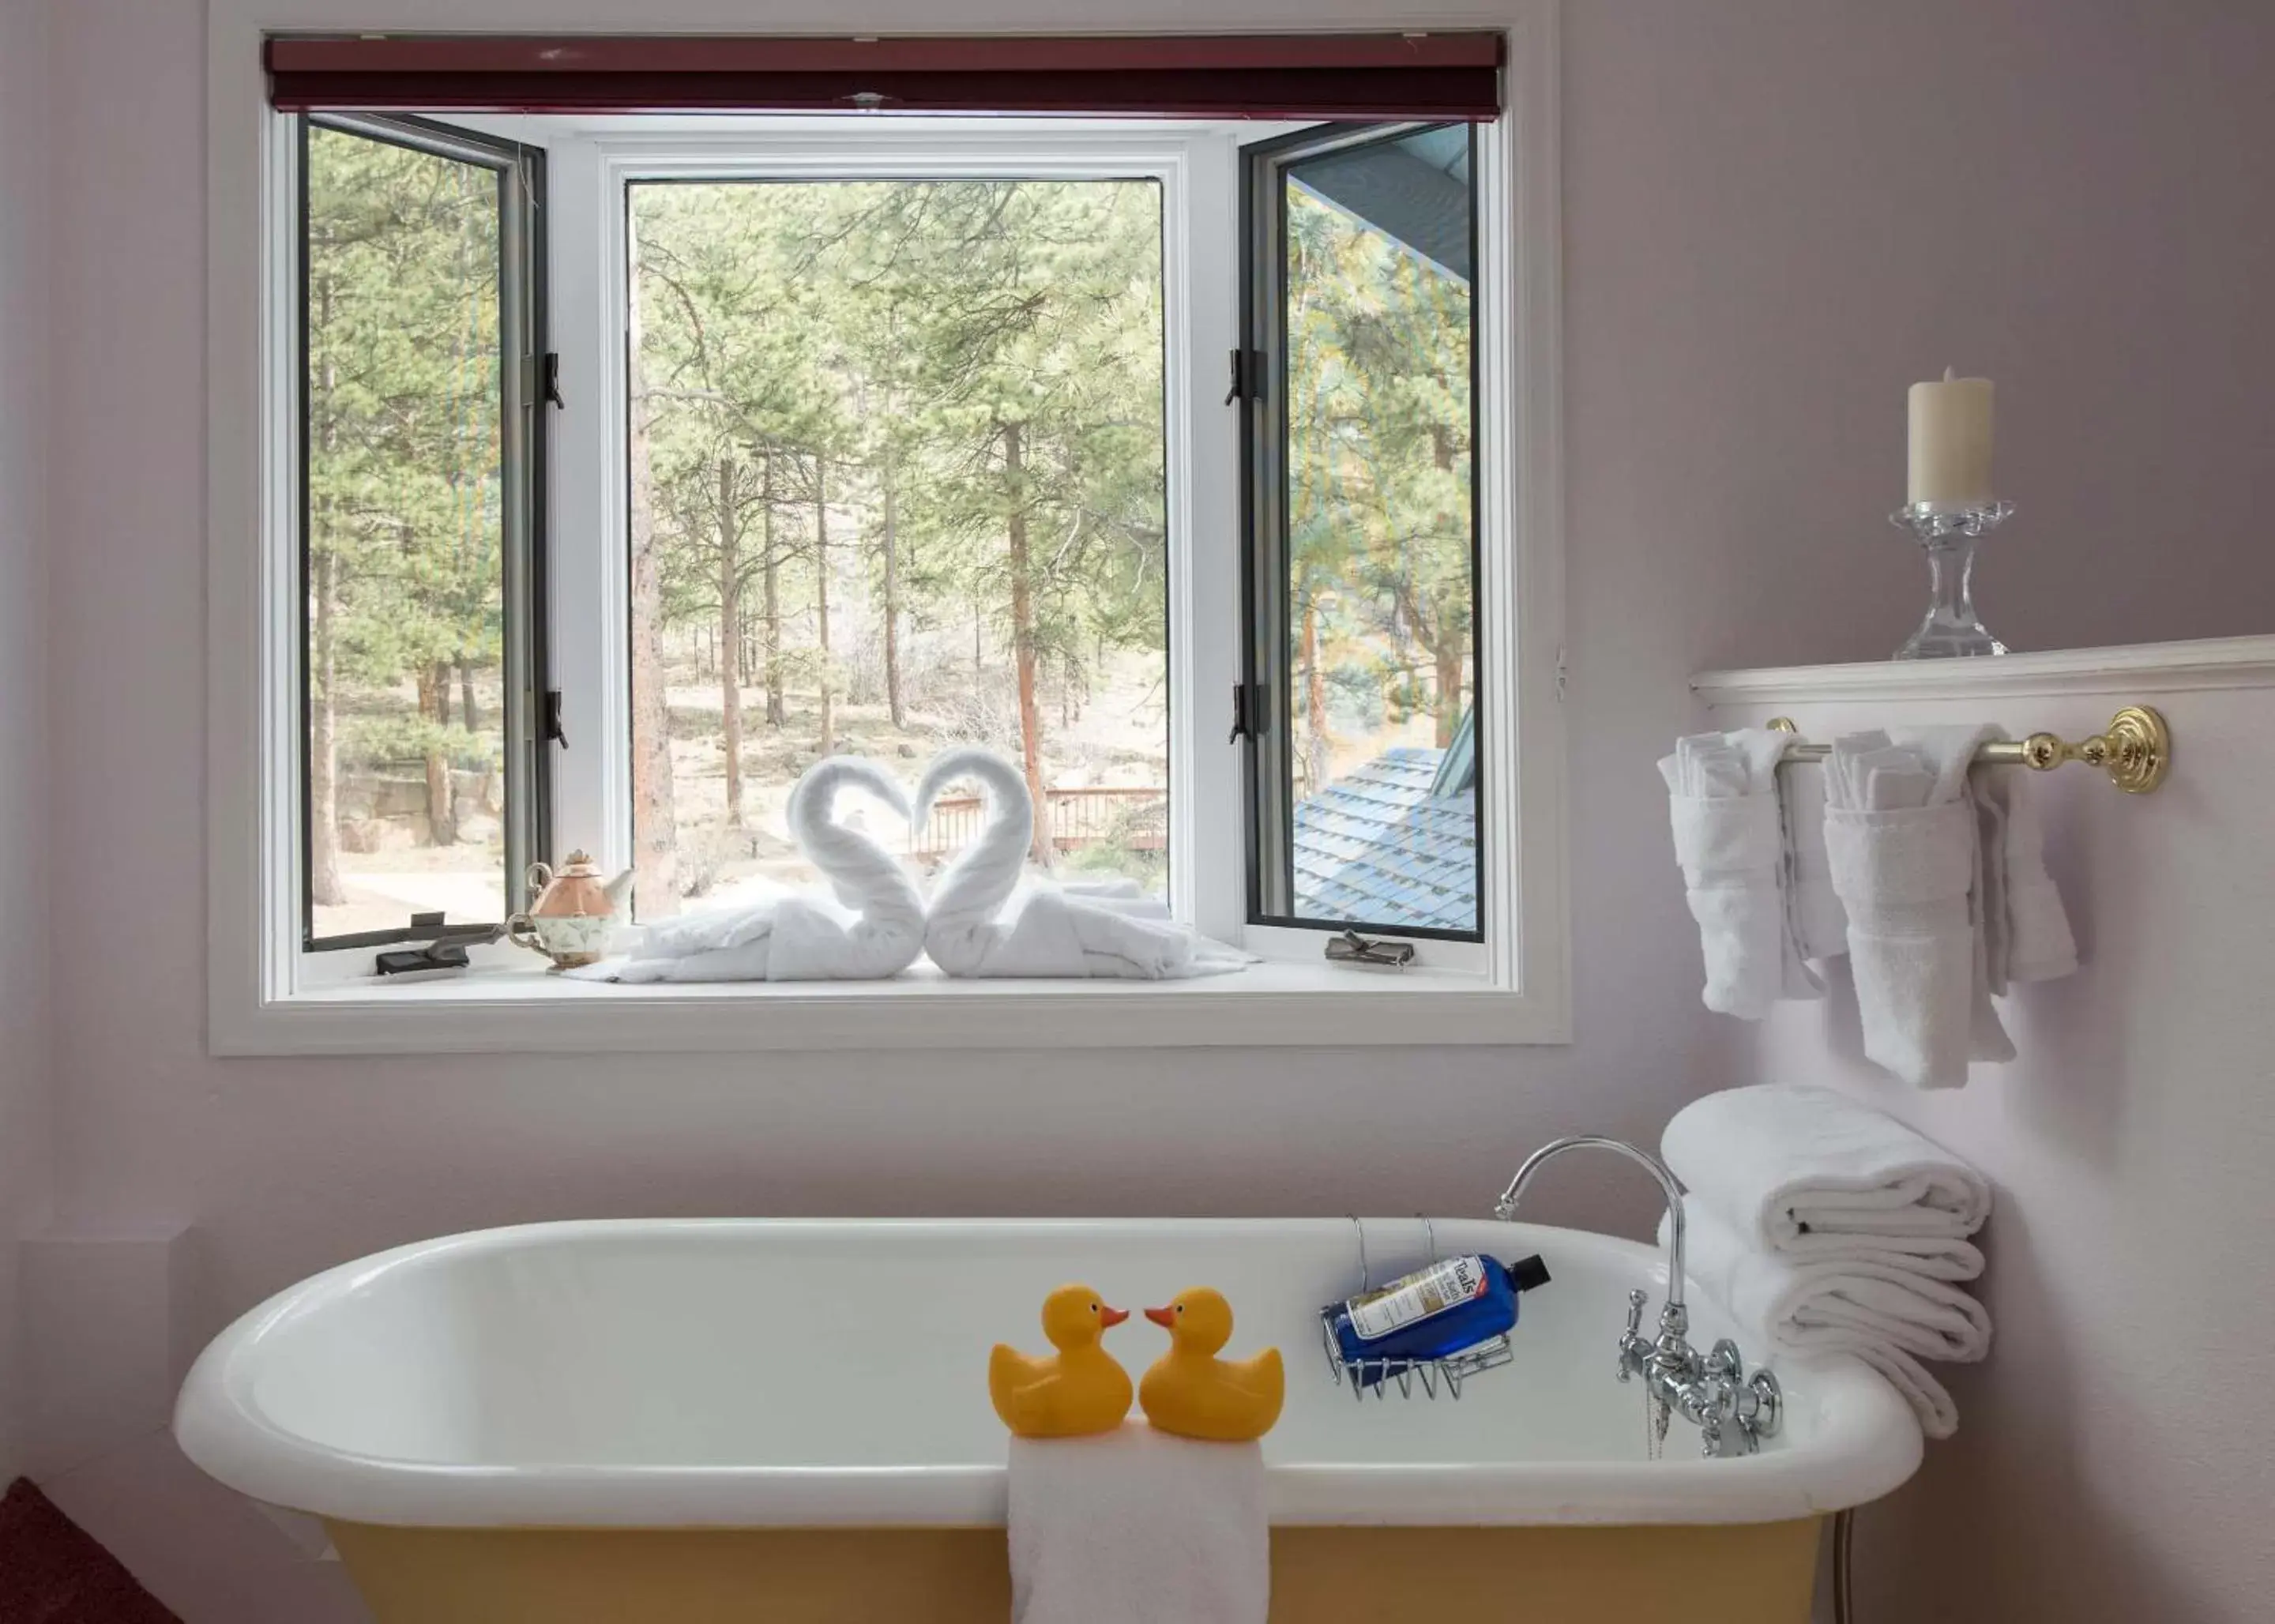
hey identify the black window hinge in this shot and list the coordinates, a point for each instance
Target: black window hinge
(549, 379)
(1247, 376)
(549, 720)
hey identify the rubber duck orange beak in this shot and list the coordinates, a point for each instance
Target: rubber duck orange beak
(1165, 1318)
(1111, 1316)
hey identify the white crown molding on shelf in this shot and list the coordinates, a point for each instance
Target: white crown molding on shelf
(2131, 670)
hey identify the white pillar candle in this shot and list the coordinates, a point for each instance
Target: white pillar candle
(1951, 442)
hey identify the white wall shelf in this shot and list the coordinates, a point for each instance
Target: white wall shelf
(2131, 669)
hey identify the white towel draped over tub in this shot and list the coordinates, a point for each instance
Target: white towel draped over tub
(1137, 1527)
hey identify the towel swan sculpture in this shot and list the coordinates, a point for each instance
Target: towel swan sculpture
(795, 938)
(983, 922)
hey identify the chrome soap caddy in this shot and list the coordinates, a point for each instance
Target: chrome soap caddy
(1734, 1409)
(1431, 1375)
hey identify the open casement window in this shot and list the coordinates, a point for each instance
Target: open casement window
(1361, 704)
(420, 503)
(882, 436)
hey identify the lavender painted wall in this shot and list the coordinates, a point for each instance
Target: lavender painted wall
(1742, 313)
(2111, 1456)
(1788, 209)
(24, 1025)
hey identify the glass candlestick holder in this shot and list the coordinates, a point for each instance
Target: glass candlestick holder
(1949, 536)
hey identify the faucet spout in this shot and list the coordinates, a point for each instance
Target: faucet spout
(1733, 1411)
(1506, 1207)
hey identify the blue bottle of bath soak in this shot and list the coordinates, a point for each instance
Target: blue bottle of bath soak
(1433, 1313)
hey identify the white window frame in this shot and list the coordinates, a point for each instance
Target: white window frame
(266, 997)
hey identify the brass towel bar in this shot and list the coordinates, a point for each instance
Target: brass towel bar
(2136, 749)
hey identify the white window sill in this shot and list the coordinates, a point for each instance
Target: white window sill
(526, 1010)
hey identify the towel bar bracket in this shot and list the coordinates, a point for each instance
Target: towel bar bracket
(2136, 749)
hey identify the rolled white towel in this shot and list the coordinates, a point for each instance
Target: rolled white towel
(1812, 1175)
(1731, 842)
(2026, 929)
(1893, 1317)
(1900, 833)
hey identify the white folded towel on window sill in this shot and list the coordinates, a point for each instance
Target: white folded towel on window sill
(1137, 1527)
(985, 921)
(1811, 1175)
(874, 926)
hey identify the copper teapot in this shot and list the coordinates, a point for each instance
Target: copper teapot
(574, 911)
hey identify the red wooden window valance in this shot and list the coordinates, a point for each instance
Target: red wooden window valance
(1437, 76)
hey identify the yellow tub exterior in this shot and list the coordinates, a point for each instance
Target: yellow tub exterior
(684, 1421)
(1755, 1573)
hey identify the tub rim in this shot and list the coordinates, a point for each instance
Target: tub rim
(1868, 1443)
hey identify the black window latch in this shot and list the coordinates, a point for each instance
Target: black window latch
(1247, 376)
(550, 378)
(1244, 724)
(549, 722)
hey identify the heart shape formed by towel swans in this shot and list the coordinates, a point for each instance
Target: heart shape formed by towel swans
(985, 919)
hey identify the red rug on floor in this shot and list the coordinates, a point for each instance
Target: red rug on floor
(52, 1572)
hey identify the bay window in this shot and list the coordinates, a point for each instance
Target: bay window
(627, 463)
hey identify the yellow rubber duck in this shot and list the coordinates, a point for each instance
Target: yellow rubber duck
(1078, 1391)
(1192, 1392)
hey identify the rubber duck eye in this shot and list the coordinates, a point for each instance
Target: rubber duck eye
(1181, 1308)
(1093, 1308)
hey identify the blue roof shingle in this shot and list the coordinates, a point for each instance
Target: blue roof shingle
(1376, 848)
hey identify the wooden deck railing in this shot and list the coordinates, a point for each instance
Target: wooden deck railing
(1138, 816)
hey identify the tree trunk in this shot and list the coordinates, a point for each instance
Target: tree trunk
(1317, 760)
(777, 713)
(892, 599)
(324, 887)
(1022, 637)
(655, 833)
(468, 709)
(821, 599)
(1448, 656)
(435, 706)
(731, 640)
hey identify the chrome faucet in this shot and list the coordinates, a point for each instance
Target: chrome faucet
(1733, 1411)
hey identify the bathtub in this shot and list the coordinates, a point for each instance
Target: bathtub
(743, 1420)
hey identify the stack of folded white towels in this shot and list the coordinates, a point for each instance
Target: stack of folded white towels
(1825, 1227)
(1928, 874)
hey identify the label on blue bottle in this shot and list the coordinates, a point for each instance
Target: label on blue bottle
(1418, 1297)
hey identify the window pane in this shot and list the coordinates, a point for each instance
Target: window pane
(897, 485)
(405, 537)
(1377, 533)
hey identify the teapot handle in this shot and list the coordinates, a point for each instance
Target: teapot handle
(521, 930)
(538, 877)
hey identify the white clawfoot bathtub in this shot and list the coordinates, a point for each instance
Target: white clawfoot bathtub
(657, 1405)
